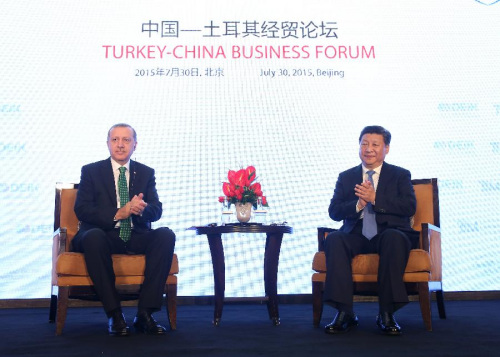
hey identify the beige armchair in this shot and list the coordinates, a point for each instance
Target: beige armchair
(69, 272)
(423, 271)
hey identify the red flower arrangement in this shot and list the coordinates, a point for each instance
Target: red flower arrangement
(242, 187)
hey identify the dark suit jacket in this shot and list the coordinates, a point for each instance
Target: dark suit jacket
(96, 202)
(395, 201)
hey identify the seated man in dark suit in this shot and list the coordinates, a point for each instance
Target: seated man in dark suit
(375, 201)
(116, 203)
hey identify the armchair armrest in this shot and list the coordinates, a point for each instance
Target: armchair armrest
(322, 233)
(431, 242)
(427, 234)
(59, 241)
(58, 247)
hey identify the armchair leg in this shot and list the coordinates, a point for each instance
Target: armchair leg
(171, 304)
(440, 304)
(53, 308)
(317, 288)
(424, 297)
(62, 308)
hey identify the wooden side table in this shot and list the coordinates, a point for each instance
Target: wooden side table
(274, 236)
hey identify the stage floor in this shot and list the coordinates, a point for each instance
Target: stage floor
(471, 329)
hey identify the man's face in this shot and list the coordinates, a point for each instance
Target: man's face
(121, 144)
(372, 150)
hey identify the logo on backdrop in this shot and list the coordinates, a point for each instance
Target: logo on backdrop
(455, 145)
(12, 148)
(487, 3)
(19, 187)
(10, 108)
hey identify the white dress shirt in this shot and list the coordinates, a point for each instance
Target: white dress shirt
(116, 173)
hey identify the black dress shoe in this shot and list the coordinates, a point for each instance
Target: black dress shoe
(342, 323)
(117, 326)
(145, 322)
(387, 324)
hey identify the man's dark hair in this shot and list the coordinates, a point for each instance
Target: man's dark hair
(123, 125)
(376, 129)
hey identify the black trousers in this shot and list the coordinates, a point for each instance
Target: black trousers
(393, 247)
(98, 245)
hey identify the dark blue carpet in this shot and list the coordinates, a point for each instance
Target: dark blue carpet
(472, 328)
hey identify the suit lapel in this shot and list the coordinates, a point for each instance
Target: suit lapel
(358, 174)
(355, 177)
(132, 178)
(385, 177)
(109, 179)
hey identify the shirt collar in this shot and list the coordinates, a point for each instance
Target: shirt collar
(116, 165)
(377, 169)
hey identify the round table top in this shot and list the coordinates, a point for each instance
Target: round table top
(243, 228)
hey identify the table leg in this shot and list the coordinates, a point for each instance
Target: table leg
(271, 260)
(219, 268)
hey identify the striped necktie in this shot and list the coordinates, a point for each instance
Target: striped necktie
(369, 221)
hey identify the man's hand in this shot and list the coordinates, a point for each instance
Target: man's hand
(135, 206)
(366, 192)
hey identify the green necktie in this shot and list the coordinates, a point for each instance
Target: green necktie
(125, 225)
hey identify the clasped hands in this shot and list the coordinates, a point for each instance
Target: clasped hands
(365, 192)
(135, 206)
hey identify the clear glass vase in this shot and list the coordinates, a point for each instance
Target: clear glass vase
(260, 213)
(226, 212)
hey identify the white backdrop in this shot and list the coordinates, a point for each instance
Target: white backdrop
(428, 71)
